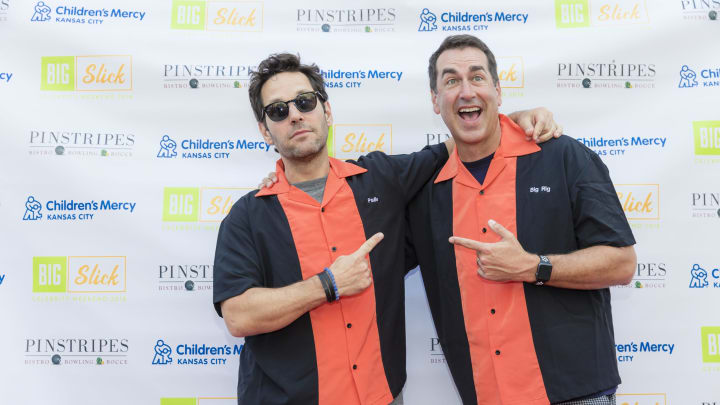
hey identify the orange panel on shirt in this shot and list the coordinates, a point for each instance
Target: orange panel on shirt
(513, 376)
(317, 228)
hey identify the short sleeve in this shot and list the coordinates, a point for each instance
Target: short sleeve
(410, 171)
(597, 214)
(237, 266)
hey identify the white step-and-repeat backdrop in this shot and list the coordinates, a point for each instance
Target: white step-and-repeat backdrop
(126, 135)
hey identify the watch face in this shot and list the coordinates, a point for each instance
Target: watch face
(544, 270)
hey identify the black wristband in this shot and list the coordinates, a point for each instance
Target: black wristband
(327, 286)
(331, 286)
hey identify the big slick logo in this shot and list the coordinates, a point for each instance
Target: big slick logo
(629, 352)
(623, 146)
(80, 144)
(207, 148)
(217, 15)
(701, 278)
(197, 208)
(706, 135)
(596, 13)
(468, 21)
(648, 275)
(43, 12)
(710, 337)
(350, 141)
(641, 203)
(354, 79)
(193, 354)
(4, 6)
(511, 72)
(641, 399)
(346, 20)
(86, 278)
(76, 351)
(705, 205)
(86, 73)
(206, 76)
(606, 75)
(709, 77)
(71, 210)
(185, 277)
(695, 10)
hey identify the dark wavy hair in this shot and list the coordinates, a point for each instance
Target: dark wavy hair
(279, 63)
(460, 42)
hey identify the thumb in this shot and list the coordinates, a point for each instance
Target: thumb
(500, 230)
(369, 244)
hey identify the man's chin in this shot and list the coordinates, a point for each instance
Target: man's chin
(307, 153)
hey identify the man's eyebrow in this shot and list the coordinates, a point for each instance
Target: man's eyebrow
(299, 92)
(473, 68)
(448, 71)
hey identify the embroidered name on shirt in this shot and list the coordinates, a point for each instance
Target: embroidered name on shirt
(541, 189)
(373, 200)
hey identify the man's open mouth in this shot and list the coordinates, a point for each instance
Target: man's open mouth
(469, 113)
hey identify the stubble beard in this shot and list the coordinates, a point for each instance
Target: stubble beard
(304, 152)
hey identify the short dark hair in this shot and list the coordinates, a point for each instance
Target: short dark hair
(460, 42)
(279, 63)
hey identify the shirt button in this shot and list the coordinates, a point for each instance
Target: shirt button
(484, 230)
(482, 192)
(492, 311)
(349, 325)
(497, 352)
(334, 249)
(322, 209)
(354, 366)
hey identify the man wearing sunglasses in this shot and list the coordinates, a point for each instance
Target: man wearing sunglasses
(300, 271)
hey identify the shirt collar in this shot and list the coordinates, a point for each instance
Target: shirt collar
(338, 169)
(512, 144)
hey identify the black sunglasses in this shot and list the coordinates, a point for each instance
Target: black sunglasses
(304, 102)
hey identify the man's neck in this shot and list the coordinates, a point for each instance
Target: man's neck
(476, 151)
(315, 167)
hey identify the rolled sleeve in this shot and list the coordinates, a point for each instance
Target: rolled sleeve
(597, 214)
(237, 265)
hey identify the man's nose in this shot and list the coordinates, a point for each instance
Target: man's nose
(466, 90)
(294, 114)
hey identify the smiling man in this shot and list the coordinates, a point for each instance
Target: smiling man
(517, 327)
(300, 270)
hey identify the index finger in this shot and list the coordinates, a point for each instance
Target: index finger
(369, 244)
(468, 243)
(539, 129)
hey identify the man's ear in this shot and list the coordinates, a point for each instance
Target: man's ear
(499, 93)
(328, 114)
(265, 132)
(433, 98)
